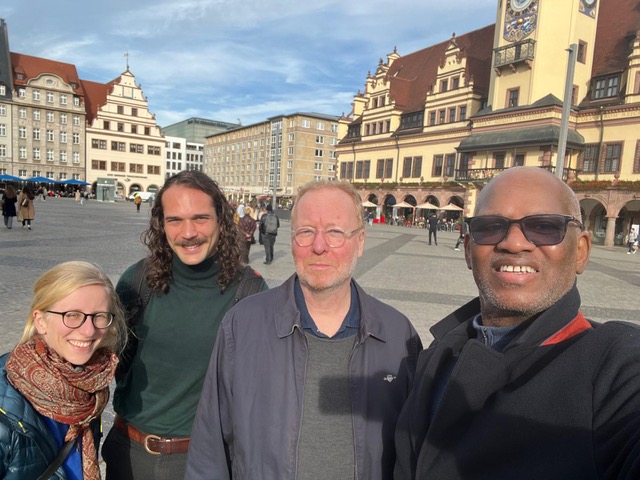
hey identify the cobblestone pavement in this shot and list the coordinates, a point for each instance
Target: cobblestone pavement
(398, 266)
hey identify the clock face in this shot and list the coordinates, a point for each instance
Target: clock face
(518, 5)
(590, 2)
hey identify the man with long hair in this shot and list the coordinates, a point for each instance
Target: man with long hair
(191, 274)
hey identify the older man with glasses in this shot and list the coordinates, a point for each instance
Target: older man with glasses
(517, 383)
(308, 380)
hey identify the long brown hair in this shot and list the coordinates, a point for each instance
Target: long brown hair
(230, 245)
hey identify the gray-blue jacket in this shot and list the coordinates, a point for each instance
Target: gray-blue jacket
(250, 412)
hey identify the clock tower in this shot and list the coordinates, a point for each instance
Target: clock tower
(530, 49)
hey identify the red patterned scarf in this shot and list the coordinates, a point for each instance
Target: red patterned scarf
(67, 394)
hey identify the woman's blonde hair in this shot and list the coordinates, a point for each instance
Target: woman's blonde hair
(61, 281)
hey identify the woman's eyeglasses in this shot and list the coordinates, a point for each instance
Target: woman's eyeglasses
(75, 319)
(543, 229)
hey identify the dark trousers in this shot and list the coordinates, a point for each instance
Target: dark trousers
(247, 250)
(128, 460)
(269, 241)
(460, 240)
(435, 235)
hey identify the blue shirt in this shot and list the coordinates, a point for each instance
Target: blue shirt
(73, 463)
(351, 321)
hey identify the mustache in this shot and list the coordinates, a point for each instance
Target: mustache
(195, 242)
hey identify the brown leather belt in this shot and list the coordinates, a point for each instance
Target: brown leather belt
(153, 444)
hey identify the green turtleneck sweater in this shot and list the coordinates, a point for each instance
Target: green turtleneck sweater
(160, 392)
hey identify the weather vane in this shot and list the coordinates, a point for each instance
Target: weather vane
(126, 55)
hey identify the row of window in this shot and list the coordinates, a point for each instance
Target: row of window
(126, 128)
(50, 116)
(122, 166)
(121, 147)
(63, 155)
(49, 134)
(36, 96)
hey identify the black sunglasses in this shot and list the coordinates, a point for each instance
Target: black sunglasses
(543, 229)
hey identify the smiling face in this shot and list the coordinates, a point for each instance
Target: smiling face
(517, 280)
(320, 267)
(190, 224)
(78, 345)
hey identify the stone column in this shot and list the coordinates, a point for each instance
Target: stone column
(610, 233)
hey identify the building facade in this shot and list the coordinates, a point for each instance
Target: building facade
(273, 158)
(196, 130)
(182, 155)
(45, 108)
(125, 148)
(435, 125)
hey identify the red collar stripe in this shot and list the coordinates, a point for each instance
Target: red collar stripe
(576, 326)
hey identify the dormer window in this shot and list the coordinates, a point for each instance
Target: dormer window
(606, 87)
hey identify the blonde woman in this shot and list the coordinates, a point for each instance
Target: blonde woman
(54, 384)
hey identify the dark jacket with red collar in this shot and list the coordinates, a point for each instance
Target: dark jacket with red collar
(561, 401)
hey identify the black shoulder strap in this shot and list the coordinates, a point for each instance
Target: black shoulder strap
(134, 305)
(62, 454)
(251, 282)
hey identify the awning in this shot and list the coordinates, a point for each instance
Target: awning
(519, 137)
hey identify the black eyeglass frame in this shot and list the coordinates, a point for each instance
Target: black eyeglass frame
(346, 235)
(523, 228)
(86, 315)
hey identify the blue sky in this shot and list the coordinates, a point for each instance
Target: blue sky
(233, 60)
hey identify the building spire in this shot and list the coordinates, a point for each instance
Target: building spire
(126, 56)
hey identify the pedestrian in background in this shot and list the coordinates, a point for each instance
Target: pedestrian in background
(248, 227)
(137, 202)
(632, 240)
(26, 207)
(9, 206)
(54, 385)
(433, 228)
(269, 224)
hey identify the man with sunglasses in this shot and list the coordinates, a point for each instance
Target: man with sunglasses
(517, 383)
(308, 380)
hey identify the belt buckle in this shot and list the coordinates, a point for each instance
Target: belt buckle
(146, 444)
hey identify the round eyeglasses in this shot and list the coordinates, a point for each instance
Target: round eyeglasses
(75, 319)
(540, 230)
(334, 237)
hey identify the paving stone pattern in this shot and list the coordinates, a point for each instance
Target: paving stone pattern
(425, 282)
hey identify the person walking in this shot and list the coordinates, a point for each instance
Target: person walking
(433, 228)
(175, 299)
(9, 206)
(54, 384)
(26, 207)
(632, 241)
(137, 200)
(248, 227)
(269, 224)
(307, 380)
(464, 229)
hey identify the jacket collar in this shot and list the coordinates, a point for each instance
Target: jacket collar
(547, 325)
(287, 316)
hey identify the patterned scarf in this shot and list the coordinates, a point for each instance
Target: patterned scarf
(67, 394)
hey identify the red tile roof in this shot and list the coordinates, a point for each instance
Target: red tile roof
(32, 67)
(412, 75)
(618, 22)
(96, 97)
